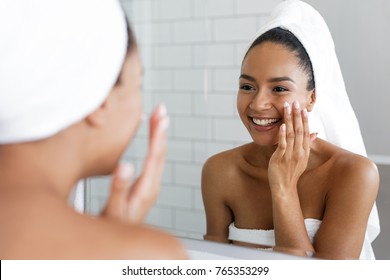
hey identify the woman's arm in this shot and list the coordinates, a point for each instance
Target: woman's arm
(218, 214)
(286, 166)
(353, 191)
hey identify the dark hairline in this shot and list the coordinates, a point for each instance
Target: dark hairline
(277, 39)
(131, 44)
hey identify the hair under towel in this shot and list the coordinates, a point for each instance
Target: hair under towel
(332, 117)
(58, 62)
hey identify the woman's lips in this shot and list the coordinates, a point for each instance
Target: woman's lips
(264, 124)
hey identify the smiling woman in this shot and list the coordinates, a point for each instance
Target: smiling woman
(288, 188)
(196, 75)
(276, 69)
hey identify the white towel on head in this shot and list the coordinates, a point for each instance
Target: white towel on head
(333, 117)
(58, 62)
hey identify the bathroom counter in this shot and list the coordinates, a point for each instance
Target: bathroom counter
(208, 250)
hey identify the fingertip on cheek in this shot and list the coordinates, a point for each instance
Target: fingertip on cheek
(126, 171)
(162, 112)
(164, 124)
(304, 111)
(296, 105)
(287, 108)
(283, 127)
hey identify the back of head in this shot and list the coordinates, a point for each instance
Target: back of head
(59, 60)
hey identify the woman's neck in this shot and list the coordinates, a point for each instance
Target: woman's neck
(258, 156)
(38, 166)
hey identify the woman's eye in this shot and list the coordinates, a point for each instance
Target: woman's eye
(246, 87)
(279, 89)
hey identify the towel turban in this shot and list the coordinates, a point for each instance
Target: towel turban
(58, 62)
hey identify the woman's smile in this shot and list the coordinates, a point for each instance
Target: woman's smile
(262, 124)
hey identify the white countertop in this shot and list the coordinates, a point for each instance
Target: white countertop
(208, 250)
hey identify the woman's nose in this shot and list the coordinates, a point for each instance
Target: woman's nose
(260, 101)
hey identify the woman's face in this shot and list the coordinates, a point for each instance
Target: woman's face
(125, 102)
(270, 76)
(130, 103)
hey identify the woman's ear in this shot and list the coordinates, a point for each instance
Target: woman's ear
(98, 117)
(312, 101)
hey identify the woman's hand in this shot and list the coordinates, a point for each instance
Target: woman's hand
(291, 156)
(286, 166)
(130, 202)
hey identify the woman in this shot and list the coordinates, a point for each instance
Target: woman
(69, 105)
(288, 188)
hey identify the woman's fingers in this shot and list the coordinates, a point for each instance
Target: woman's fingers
(306, 131)
(290, 134)
(313, 136)
(290, 158)
(154, 163)
(298, 137)
(146, 188)
(298, 129)
(120, 183)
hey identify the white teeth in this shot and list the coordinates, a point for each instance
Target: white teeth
(264, 122)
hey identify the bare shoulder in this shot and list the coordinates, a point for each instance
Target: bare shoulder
(352, 171)
(225, 163)
(46, 229)
(125, 241)
(219, 176)
(352, 183)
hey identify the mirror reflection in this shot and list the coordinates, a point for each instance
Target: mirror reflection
(227, 112)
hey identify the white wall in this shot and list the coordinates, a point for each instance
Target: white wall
(191, 52)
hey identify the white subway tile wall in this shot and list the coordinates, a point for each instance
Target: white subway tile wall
(191, 51)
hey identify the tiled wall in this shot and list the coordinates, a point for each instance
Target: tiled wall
(191, 51)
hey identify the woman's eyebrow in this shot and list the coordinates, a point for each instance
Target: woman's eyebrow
(271, 80)
(281, 79)
(247, 77)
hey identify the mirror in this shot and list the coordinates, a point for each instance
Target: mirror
(192, 51)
